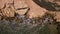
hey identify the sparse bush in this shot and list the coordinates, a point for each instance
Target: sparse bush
(23, 25)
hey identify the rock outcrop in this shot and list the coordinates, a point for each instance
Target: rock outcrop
(38, 8)
(35, 10)
(20, 6)
(8, 11)
(53, 7)
(10, 7)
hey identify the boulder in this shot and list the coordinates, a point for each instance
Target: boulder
(20, 4)
(35, 10)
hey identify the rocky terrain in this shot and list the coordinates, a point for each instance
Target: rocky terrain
(29, 16)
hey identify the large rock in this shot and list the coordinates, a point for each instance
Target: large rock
(35, 10)
(19, 4)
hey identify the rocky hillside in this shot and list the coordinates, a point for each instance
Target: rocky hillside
(29, 16)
